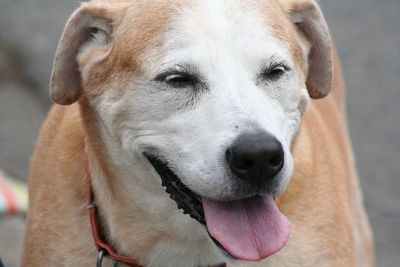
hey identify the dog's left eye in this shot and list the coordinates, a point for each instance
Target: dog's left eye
(180, 80)
(274, 72)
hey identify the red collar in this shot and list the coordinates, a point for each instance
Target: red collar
(104, 249)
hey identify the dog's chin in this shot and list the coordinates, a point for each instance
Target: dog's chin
(190, 202)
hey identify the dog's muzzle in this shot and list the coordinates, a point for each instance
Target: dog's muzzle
(254, 160)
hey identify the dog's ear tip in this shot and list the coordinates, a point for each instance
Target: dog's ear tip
(59, 96)
(314, 94)
(317, 94)
(318, 91)
(63, 101)
(322, 89)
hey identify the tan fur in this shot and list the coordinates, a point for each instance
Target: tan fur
(323, 200)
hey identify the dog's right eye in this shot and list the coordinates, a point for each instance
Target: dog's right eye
(180, 80)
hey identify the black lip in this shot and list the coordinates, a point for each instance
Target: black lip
(185, 198)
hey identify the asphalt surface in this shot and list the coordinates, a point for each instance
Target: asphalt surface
(367, 36)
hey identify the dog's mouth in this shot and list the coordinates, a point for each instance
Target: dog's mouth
(185, 198)
(249, 229)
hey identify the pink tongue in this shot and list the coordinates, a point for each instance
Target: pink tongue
(250, 229)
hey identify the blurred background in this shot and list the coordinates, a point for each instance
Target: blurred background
(367, 36)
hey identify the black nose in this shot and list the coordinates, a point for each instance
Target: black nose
(255, 157)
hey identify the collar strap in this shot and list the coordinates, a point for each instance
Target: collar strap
(103, 248)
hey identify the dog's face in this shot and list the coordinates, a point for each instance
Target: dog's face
(209, 94)
(216, 77)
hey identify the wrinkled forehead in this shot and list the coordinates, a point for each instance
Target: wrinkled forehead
(208, 30)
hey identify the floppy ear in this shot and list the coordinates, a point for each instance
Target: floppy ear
(86, 29)
(310, 23)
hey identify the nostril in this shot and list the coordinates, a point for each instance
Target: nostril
(239, 163)
(276, 161)
(228, 155)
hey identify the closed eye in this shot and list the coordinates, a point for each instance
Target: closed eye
(274, 72)
(178, 79)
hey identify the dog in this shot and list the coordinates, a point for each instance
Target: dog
(188, 133)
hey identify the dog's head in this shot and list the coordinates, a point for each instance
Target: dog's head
(208, 94)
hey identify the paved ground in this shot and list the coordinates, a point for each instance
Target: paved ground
(367, 34)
